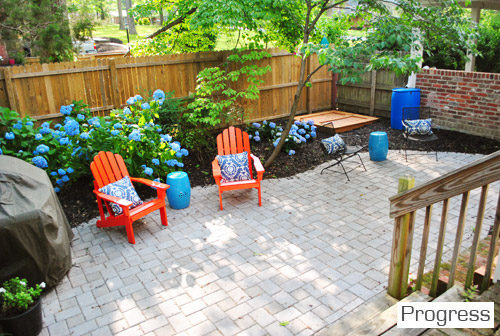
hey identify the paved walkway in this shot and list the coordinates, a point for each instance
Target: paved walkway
(317, 248)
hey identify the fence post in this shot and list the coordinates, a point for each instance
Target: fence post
(401, 246)
(335, 78)
(11, 93)
(308, 89)
(113, 76)
(373, 89)
(49, 90)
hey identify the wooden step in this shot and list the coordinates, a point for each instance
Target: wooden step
(454, 294)
(359, 315)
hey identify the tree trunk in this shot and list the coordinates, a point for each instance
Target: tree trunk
(131, 23)
(120, 15)
(160, 11)
(101, 9)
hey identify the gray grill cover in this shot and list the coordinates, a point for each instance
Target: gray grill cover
(35, 235)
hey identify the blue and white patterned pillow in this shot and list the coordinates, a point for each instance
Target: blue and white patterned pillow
(333, 144)
(418, 126)
(234, 167)
(122, 189)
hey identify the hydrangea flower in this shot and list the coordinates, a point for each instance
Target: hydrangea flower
(45, 130)
(72, 128)
(29, 123)
(160, 101)
(313, 134)
(118, 126)
(180, 164)
(307, 136)
(65, 110)
(1, 152)
(256, 125)
(135, 135)
(272, 125)
(9, 136)
(57, 189)
(42, 149)
(175, 146)
(53, 173)
(148, 171)
(64, 141)
(57, 126)
(115, 132)
(291, 152)
(19, 125)
(156, 162)
(280, 129)
(65, 178)
(126, 110)
(60, 182)
(131, 101)
(20, 151)
(70, 170)
(40, 162)
(257, 133)
(184, 152)
(138, 97)
(80, 116)
(307, 127)
(145, 106)
(158, 94)
(302, 131)
(297, 123)
(61, 171)
(178, 154)
(171, 163)
(165, 137)
(256, 138)
(38, 136)
(84, 136)
(264, 122)
(310, 122)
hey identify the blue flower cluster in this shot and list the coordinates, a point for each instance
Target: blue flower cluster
(135, 135)
(300, 133)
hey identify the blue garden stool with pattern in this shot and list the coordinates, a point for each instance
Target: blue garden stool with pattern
(179, 193)
(378, 146)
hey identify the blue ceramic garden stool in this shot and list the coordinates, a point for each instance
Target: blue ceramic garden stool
(179, 193)
(378, 146)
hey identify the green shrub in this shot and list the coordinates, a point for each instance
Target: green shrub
(66, 150)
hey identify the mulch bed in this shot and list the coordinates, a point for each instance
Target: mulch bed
(79, 203)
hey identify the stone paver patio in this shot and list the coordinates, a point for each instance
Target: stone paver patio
(317, 248)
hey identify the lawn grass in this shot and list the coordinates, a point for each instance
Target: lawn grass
(113, 30)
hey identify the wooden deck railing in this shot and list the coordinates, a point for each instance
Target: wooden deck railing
(403, 207)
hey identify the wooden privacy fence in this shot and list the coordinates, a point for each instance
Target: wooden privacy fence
(372, 96)
(38, 90)
(479, 174)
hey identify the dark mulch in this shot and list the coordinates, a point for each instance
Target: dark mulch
(80, 205)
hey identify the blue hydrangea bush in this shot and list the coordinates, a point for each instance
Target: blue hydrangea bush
(300, 133)
(66, 149)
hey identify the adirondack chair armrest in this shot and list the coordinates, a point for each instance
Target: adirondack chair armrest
(258, 166)
(161, 188)
(150, 183)
(216, 171)
(120, 201)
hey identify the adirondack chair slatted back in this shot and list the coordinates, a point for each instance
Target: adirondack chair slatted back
(108, 168)
(233, 141)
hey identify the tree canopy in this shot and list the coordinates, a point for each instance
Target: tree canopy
(389, 32)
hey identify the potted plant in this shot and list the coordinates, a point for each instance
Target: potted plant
(20, 307)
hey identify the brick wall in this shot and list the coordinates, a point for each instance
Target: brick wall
(468, 102)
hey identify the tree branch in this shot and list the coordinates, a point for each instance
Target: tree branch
(312, 73)
(177, 21)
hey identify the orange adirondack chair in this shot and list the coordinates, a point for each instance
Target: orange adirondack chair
(233, 141)
(108, 168)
